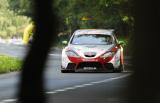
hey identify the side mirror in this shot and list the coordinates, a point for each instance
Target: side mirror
(64, 42)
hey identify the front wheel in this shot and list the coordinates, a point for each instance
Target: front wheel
(120, 68)
(67, 71)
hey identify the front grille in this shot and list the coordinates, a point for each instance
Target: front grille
(89, 64)
(90, 54)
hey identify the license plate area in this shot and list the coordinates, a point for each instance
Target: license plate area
(89, 68)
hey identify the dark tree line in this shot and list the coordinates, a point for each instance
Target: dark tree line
(75, 14)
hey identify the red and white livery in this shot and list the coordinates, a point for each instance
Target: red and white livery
(92, 50)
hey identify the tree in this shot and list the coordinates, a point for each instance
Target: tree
(11, 23)
(23, 7)
(102, 13)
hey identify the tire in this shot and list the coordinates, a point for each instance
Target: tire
(67, 71)
(120, 68)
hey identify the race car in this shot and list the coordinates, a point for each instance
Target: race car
(92, 50)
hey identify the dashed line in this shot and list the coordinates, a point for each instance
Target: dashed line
(73, 87)
(85, 85)
(8, 100)
(55, 55)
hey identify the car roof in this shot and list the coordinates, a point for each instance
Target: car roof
(94, 31)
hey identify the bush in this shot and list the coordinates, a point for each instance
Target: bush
(11, 23)
(9, 64)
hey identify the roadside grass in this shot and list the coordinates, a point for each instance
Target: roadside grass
(9, 64)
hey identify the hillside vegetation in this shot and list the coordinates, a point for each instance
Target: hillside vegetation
(71, 14)
(12, 24)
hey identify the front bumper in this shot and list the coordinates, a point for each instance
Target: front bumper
(81, 63)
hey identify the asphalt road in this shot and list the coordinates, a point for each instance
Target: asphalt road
(68, 87)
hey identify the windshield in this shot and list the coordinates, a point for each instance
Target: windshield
(92, 39)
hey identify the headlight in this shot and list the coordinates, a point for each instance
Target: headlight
(107, 54)
(71, 54)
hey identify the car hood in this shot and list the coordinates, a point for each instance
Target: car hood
(97, 49)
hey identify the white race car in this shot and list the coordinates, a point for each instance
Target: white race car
(92, 50)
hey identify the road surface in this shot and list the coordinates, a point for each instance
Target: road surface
(68, 87)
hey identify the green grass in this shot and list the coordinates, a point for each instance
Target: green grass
(9, 64)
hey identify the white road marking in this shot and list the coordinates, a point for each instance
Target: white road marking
(8, 100)
(55, 55)
(88, 84)
(74, 87)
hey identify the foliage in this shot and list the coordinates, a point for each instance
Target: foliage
(11, 23)
(8, 64)
(123, 41)
(74, 14)
(22, 7)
